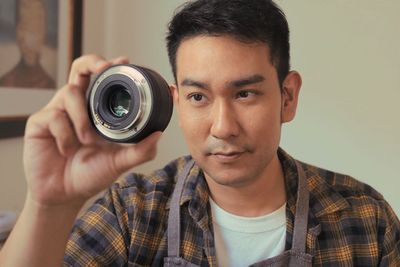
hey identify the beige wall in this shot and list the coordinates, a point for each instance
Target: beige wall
(346, 51)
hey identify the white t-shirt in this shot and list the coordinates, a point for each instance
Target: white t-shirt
(242, 241)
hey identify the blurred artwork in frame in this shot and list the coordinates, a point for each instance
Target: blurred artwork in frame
(38, 41)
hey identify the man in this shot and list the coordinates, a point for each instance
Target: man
(237, 200)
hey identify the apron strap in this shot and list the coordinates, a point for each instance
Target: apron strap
(174, 218)
(301, 217)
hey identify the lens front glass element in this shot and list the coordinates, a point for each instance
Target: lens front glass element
(119, 102)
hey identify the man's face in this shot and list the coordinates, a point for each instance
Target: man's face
(230, 104)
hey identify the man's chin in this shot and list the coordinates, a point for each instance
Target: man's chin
(228, 179)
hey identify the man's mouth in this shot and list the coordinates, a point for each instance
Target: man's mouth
(226, 156)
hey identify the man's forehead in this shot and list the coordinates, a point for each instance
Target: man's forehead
(193, 50)
(202, 38)
(230, 64)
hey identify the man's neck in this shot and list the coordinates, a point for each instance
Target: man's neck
(262, 196)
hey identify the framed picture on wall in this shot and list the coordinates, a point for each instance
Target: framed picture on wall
(38, 41)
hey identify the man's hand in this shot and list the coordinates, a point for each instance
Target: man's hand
(65, 161)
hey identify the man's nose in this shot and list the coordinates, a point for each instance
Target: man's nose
(224, 121)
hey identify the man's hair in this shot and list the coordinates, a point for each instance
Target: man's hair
(246, 20)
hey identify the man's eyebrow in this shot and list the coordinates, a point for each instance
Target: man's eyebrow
(256, 78)
(193, 83)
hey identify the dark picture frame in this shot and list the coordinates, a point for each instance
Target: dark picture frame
(16, 104)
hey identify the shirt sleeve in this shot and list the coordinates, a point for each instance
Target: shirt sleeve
(391, 241)
(99, 237)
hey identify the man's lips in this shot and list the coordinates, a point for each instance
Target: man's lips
(227, 156)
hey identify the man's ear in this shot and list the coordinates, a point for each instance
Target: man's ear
(290, 94)
(175, 94)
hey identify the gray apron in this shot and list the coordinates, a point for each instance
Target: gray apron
(294, 257)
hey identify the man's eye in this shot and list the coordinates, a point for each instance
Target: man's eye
(246, 94)
(243, 94)
(196, 97)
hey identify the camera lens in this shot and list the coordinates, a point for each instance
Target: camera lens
(127, 103)
(120, 101)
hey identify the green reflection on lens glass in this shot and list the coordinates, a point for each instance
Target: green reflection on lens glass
(120, 102)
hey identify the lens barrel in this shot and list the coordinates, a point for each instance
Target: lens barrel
(127, 103)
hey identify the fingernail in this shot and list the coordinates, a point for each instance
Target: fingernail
(100, 63)
(121, 59)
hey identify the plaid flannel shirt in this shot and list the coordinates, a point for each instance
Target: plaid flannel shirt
(350, 224)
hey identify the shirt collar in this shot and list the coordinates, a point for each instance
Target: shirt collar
(195, 188)
(324, 199)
